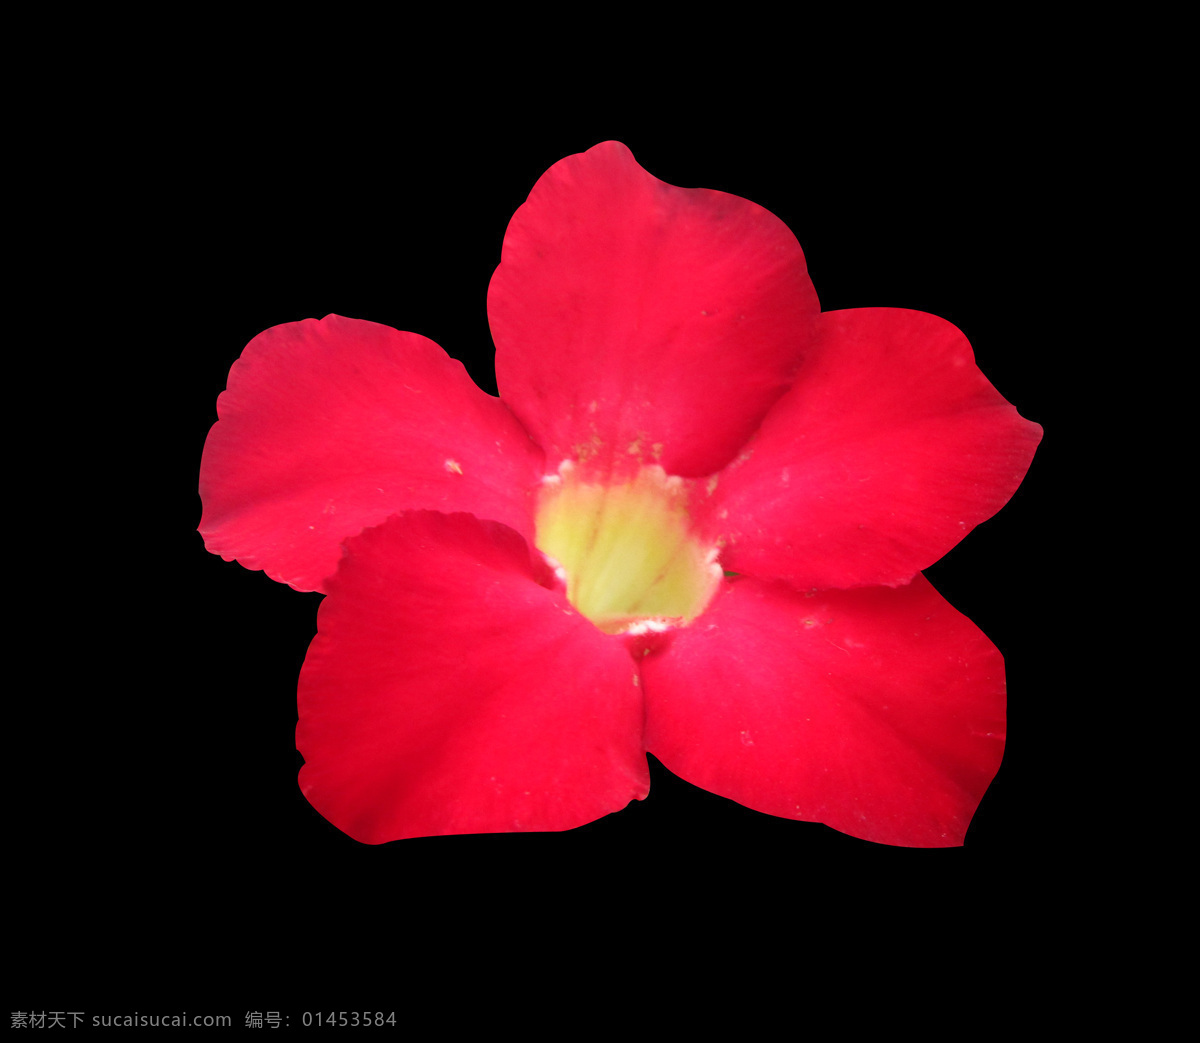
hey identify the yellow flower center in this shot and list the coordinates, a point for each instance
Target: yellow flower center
(627, 551)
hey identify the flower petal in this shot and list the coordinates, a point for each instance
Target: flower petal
(447, 691)
(636, 320)
(889, 449)
(330, 426)
(879, 712)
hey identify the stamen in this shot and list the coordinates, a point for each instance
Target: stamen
(630, 556)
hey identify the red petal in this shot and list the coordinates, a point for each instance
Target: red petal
(328, 427)
(888, 450)
(446, 691)
(879, 712)
(637, 320)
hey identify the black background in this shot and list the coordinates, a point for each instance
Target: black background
(158, 804)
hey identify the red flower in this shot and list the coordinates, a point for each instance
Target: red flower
(693, 524)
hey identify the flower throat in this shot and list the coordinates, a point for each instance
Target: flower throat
(626, 550)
